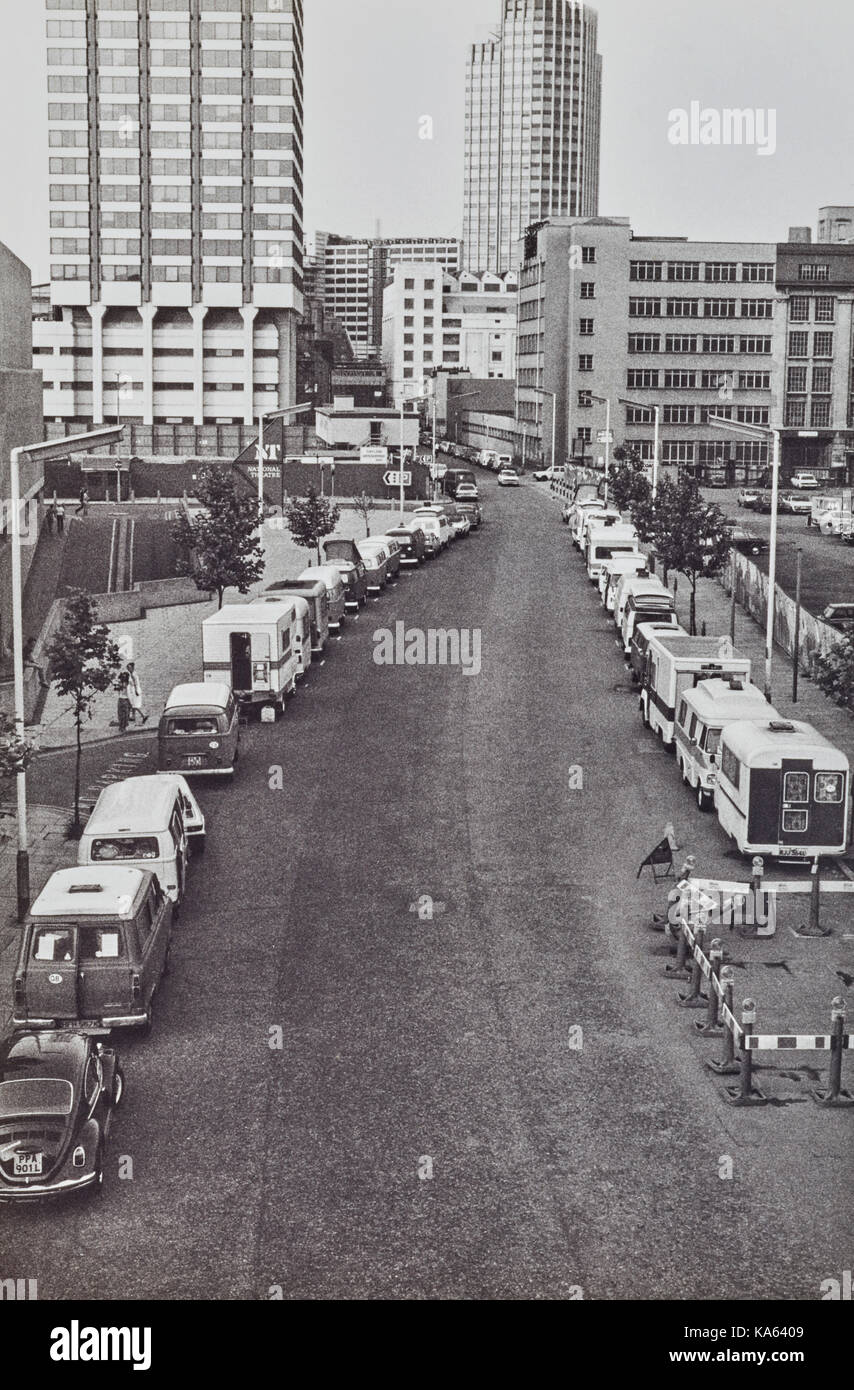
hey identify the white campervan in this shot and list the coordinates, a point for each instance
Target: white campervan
(703, 714)
(256, 648)
(607, 542)
(612, 572)
(674, 664)
(587, 515)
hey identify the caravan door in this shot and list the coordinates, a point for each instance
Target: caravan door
(240, 655)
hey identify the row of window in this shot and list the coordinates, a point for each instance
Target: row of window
(822, 378)
(182, 274)
(171, 58)
(691, 308)
(688, 414)
(687, 451)
(819, 412)
(173, 193)
(719, 272)
(651, 379)
(683, 342)
(177, 221)
(822, 344)
(175, 168)
(824, 307)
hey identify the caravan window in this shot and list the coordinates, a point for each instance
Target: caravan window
(796, 787)
(795, 822)
(683, 715)
(828, 787)
(731, 767)
(711, 743)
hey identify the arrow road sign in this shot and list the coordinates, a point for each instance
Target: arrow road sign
(392, 478)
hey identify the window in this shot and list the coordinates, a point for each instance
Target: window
(409, 284)
(585, 362)
(821, 377)
(683, 270)
(757, 308)
(721, 272)
(798, 344)
(677, 451)
(644, 342)
(645, 270)
(641, 379)
(720, 308)
(680, 342)
(587, 289)
(824, 309)
(752, 414)
(585, 400)
(820, 412)
(796, 379)
(822, 345)
(757, 272)
(829, 787)
(679, 380)
(585, 327)
(678, 415)
(796, 788)
(754, 451)
(588, 255)
(584, 434)
(730, 766)
(644, 308)
(813, 270)
(754, 381)
(755, 345)
(719, 342)
(683, 308)
(799, 309)
(795, 412)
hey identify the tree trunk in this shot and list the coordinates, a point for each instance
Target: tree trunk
(77, 772)
(220, 593)
(693, 627)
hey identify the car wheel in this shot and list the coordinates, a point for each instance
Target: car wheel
(118, 1087)
(644, 714)
(96, 1190)
(703, 798)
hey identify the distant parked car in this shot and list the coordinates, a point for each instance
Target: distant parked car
(747, 541)
(840, 615)
(762, 502)
(508, 477)
(747, 496)
(58, 1091)
(804, 480)
(548, 475)
(473, 511)
(792, 503)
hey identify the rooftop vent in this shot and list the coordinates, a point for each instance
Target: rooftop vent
(85, 888)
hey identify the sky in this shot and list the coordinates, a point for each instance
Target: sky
(374, 68)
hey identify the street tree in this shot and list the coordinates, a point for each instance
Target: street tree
(219, 546)
(83, 661)
(310, 518)
(16, 751)
(834, 673)
(363, 505)
(690, 535)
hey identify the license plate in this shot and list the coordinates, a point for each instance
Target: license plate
(194, 761)
(27, 1165)
(787, 852)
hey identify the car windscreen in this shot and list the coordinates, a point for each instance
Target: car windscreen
(193, 724)
(124, 847)
(36, 1096)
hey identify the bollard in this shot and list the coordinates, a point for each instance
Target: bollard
(746, 1093)
(835, 1096)
(694, 999)
(679, 971)
(659, 922)
(726, 1065)
(711, 1027)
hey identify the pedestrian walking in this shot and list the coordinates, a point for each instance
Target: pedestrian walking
(135, 695)
(50, 518)
(83, 503)
(60, 518)
(124, 701)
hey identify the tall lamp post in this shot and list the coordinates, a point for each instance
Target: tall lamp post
(764, 432)
(605, 400)
(642, 405)
(41, 453)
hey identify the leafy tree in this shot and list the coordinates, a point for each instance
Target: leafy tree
(220, 547)
(690, 535)
(310, 518)
(363, 505)
(16, 751)
(834, 673)
(83, 664)
(628, 484)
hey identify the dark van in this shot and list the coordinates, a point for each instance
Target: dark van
(342, 552)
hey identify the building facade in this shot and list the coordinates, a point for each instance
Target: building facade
(813, 345)
(836, 225)
(350, 275)
(644, 321)
(176, 135)
(532, 127)
(434, 320)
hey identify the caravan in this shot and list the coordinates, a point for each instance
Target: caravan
(783, 789)
(674, 664)
(255, 648)
(315, 594)
(330, 577)
(612, 572)
(702, 715)
(647, 601)
(611, 540)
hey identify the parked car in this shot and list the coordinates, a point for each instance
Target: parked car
(411, 542)
(508, 477)
(804, 480)
(375, 559)
(460, 523)
(839, 615)
(58, 1092)
(199, 730)
(762, 502)
(436, 528)
(341, 552)
(747, 541)
(792, 503)
(747, 496)
(473, 511)
(94, 946)
(140, 821)
(394, 548)
(548, 475)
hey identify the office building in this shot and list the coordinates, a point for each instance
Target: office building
(836, 225)
(350, 275)
(685, 325)
(176, 133)
(434, 320)
(532, 127)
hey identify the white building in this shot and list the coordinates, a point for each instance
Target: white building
(176, 217)
(464, 322)
(533, 102)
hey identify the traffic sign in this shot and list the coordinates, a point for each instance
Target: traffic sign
(393, 478)
(373, 453)
(604, 436)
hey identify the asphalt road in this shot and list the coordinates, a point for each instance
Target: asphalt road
(429, 1126)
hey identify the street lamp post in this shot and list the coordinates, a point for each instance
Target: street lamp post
(55, 448)
(656, 409)
(760, 431)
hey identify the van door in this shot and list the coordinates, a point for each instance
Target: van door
(794, 806)
(241, 660)
(104, 970)
(51, 972)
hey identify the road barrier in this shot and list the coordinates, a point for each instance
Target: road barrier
(740, 1036)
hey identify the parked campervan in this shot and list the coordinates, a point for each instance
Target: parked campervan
(141, 821)
(703, 713)
(394, 548)
(330, 577)
(315, 594)
(341, 551)
(675, 663)
(635, 584)
(255, 649)
(612, 572)
(607, 542)
(783, 789)
(199, 730)
(641, 638)
(375, 557)
(586, 514)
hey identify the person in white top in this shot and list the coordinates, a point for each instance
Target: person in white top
(134, 689)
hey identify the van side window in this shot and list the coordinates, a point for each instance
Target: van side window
(692, 729)
(145, 922)
(683, 715)
(730, 766)
(229, 710)
(101, 943)
(53, 943)
(176, 828)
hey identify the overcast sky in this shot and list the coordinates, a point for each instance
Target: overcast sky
(375, 67)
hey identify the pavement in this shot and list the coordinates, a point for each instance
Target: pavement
(496, 1097)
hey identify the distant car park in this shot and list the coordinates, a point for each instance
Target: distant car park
(804, 480)
(794, 504)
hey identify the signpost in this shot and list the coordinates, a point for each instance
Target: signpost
(393, 478)
(374, 453)
(604, 436)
